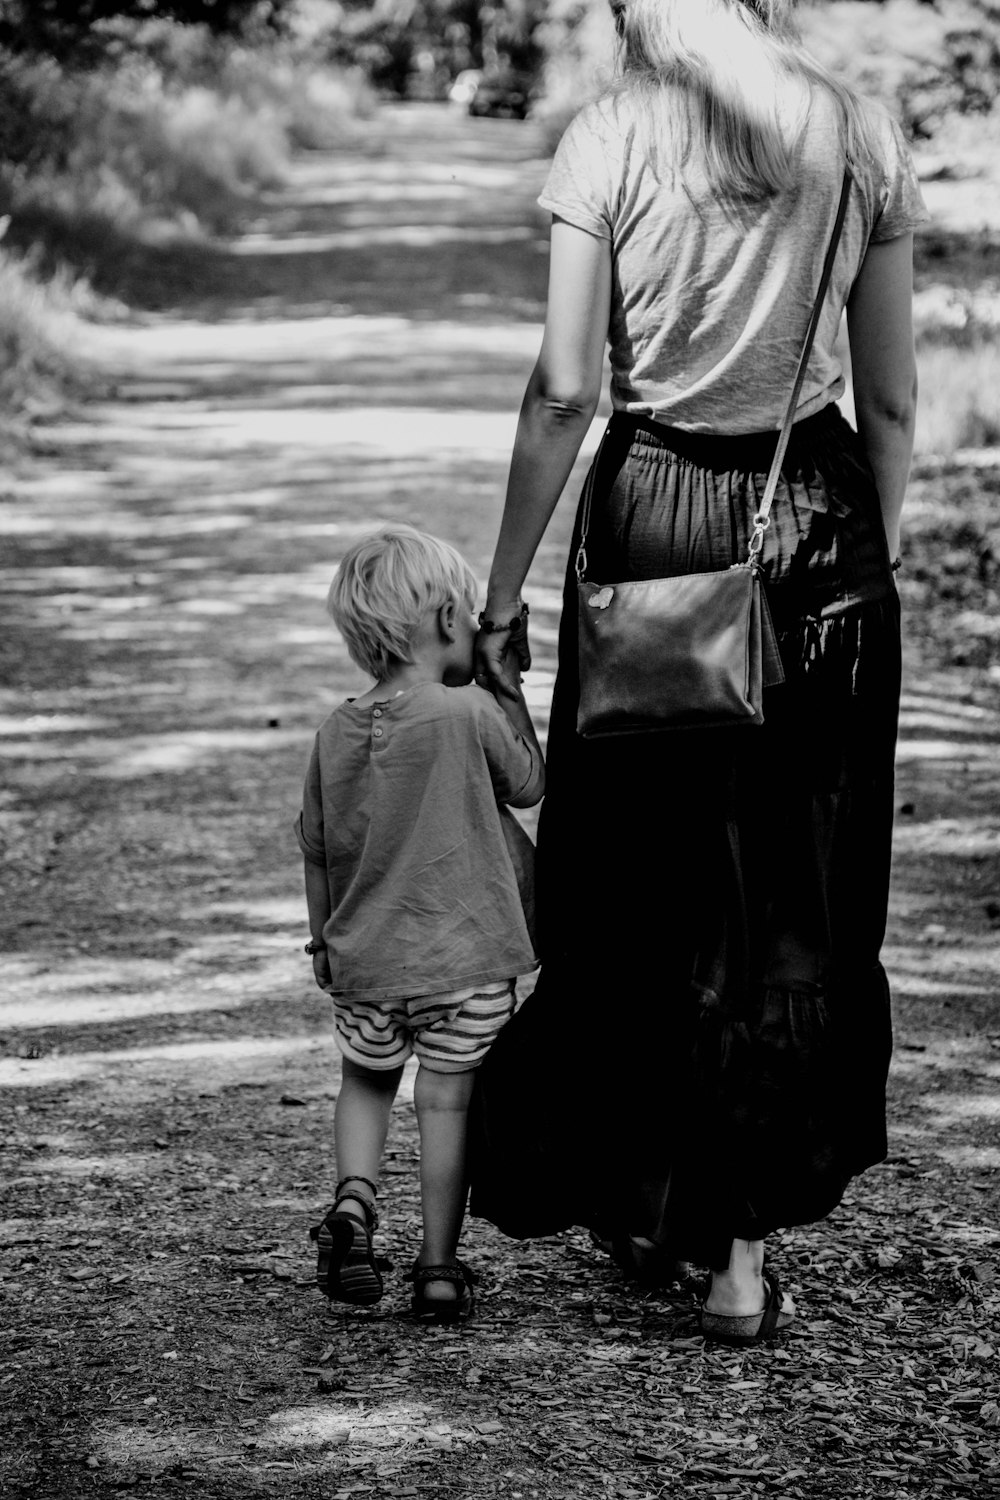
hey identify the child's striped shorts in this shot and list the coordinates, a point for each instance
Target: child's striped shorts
(449, 1033)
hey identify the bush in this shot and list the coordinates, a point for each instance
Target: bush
(174, 133)
(181, 129)
(101, 150)
(958, 366)
(79, 30)
(39, 327)
(924, 62)
(958, 396)
(958, 360)
(579, 44)
(965, 145)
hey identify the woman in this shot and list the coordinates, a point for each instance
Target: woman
(704, 1058)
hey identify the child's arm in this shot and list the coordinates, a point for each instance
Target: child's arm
(511, 699)
(318, 902)
(309, 835)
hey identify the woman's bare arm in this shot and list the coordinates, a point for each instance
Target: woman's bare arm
(557, 410)
(880, 328)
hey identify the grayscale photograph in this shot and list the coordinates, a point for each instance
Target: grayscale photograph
(500, 749)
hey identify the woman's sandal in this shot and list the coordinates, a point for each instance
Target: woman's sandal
(430, 1309)
(755, 1328)
(346, 1267)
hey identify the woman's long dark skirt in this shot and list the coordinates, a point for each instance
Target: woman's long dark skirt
(704, 1056)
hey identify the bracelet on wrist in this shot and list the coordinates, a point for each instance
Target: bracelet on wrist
(495, 627)
(315, 945)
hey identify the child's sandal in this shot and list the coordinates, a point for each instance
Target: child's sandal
(346, 1267)
(429, 1309)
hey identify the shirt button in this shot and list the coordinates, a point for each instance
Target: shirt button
(377, 733)
(376, 713)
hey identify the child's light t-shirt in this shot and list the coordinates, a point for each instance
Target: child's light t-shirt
(709, 309)
(429, 873)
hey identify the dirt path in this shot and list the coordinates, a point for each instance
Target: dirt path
(167, 1071)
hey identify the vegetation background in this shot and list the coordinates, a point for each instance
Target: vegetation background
(126, 123)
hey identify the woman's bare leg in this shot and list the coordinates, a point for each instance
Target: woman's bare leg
(739, 1291)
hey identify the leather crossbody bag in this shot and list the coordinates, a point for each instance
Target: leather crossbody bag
(697, 650)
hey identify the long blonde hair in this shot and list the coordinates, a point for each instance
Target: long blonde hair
(708, 76)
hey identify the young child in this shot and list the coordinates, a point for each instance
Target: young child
(412, 864)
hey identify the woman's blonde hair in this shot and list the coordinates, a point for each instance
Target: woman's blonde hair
(720, 69)
(384, 586)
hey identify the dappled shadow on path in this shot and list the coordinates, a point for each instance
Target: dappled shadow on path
(427, 216)
(292, 365)
(167, 1070)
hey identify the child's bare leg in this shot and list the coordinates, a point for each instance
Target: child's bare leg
(442, 1103)
(361, 1123)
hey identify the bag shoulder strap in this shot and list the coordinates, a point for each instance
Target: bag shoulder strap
(761, 520)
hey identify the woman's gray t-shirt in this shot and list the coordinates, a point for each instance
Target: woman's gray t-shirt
(710, 307)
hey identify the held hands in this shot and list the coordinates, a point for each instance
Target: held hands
(502, 652)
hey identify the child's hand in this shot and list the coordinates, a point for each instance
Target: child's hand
(497, 667)
(321, 968)
(507, 683)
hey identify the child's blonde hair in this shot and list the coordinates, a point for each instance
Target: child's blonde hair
(384, 586)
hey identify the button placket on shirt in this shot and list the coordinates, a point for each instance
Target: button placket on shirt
(378, 730)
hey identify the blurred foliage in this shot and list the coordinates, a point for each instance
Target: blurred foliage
(579, 55)
(71, 29)
(925, 60)
(39, 322)
(417, 47)
(103, 143)
(54, 118)
(163, 133)
(171, 135)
